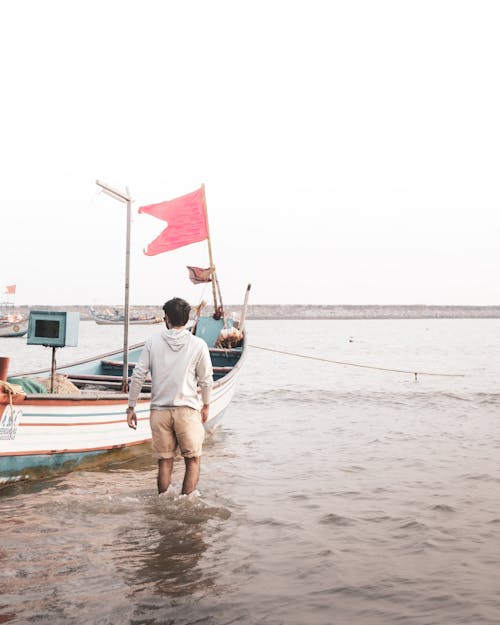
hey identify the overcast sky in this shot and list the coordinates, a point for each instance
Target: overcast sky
(350, 150)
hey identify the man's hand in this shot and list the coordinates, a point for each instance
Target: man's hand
(131, 418)
(204, 413)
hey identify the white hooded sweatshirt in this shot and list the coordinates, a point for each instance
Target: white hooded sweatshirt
(181, 370)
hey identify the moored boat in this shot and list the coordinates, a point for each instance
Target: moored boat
(42, 433)
(83, 417)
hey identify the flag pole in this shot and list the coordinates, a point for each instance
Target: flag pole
(221, 305)
(210, 257)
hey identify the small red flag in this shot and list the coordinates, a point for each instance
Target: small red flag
(186, 222)
(197, 275)
(10, 290)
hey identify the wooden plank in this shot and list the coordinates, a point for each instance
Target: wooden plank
(225, 352)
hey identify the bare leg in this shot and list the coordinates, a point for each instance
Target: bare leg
(192, 475)
(164, 474)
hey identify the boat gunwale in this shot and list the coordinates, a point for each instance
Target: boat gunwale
(94, 399)
(106, 355)
(77, 362)
(97, 397)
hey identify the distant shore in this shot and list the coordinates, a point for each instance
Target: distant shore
(305, 311)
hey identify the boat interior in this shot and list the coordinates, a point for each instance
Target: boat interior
(106, 371)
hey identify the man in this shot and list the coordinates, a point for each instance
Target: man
(180, 366)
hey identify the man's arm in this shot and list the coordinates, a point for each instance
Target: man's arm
(140, 371)
(204, 374)
(204, 412)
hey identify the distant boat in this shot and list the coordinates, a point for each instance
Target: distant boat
(13, 325)
(115, 317)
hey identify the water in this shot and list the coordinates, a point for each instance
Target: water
(329, 495)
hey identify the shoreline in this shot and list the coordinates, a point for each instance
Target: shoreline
(303, 311)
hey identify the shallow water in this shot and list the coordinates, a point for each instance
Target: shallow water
(329, 494)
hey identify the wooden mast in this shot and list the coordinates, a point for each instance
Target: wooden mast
(210, 257)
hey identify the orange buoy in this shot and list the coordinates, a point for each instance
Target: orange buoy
(4, 367)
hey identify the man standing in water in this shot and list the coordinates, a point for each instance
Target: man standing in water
(180, 365)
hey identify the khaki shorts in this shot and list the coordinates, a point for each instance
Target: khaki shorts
(176, 427)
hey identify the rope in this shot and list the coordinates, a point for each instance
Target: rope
(353, 364)
(11, 389)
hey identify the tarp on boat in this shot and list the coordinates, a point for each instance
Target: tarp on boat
(29, 385)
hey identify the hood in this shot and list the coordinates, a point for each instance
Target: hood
(176, 339)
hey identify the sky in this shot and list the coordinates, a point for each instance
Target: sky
(350, 150)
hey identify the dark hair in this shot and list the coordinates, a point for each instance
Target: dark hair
(177, 310)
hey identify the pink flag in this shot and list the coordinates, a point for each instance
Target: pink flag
(10, 290)
(186, 222)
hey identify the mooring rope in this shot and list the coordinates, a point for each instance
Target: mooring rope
(11, 389)
(354, 364)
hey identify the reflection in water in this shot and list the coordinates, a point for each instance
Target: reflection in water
(103, 540)
(8, 616)
(163, 557)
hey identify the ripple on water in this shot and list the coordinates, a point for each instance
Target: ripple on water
(347, 493)
(336, 519)
(382, 518)
(414, 525)
(442, 507)
(485, 477)
(190, 509)
(489, 399)
(354, 468)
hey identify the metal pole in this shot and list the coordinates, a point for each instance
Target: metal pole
(127, 297)
(123, 197)
(53, 369)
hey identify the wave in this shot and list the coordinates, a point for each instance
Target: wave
(323, 396)
(442, 507)
(336, 519)
(414, 525)
(481, 477)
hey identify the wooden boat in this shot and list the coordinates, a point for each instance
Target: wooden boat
(45, 432)
(13, 325)
(41, 434)
(117, 318)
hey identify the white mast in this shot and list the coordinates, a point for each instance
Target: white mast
(123, 197)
